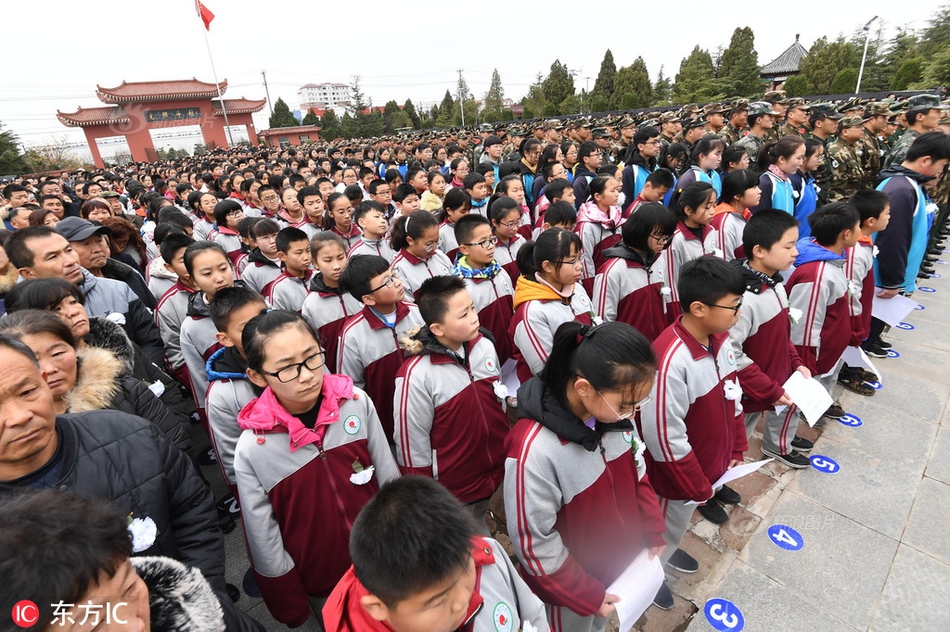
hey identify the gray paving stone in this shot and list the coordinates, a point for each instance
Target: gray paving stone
(841, 569)
(910, 394)
(927, 526)
(938, 466)
(875, 492)
(915, 594)
(767, 605)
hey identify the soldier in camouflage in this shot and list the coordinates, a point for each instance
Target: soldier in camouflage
(778, 100)
(924, 112)
(824, 123)
(869, 147)
(738, 117)
(761, 120)
(847, 175)
(796, 116)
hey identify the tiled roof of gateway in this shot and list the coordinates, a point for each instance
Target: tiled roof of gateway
(92, 116)
(787, 62)
(159, 91)
(239, 106)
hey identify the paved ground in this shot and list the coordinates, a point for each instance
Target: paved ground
(876, 555)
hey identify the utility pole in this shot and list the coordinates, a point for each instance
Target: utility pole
(267, 92)
(867, 39)
(461, 98)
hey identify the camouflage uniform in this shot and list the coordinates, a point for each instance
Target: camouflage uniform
(730, 134)
(870, 155)
(790, 130)
(847, 176)
(752, 145)
(899, 153)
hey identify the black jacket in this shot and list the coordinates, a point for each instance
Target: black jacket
(115, 269)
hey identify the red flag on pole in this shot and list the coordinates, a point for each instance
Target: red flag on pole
(204, 13)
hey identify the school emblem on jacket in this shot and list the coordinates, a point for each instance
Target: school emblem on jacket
(502, 617)
(731, 357)
(490, 365)
(352, 424)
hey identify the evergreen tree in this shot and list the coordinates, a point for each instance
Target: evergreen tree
(311, 118)
(632, 88)
(557, 86)
(910, 72)
(824, 60)
(495, 97)
(534, 101)
(446, 111)
(738, 72)
(330, 126)
(695, 80)
(662, 90)
(845, 81)
(282, 116)
(796, 86)
(349, 126)
(410, 111)
(606, 78)
(937, 72)
(936, 37)
(11, 160)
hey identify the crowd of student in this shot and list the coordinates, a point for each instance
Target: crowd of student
(344, 322)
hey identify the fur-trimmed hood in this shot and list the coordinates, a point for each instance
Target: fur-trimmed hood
(180, 598)
(108, 335)
(98, 381)
(421, 340)
(8, 279)
(157, 269)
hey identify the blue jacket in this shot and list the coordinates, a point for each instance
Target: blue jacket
(901, 248)
(809, 251)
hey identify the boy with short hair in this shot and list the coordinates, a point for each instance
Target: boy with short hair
(693, 426)
(229, 390)
(381, 193)
(441, 577)
(313, 207)
(416, 178)
(477, 188)
(371, 219)
(263, 263)
(762, 336)
(487, 282)
(655, 188)
(819, 288)
(489, 172)
(561, 214)
(407, 201)
(560, 190)
(290, 288)
(173, 305)
(874, 208)
(369, 350)
(450, 422)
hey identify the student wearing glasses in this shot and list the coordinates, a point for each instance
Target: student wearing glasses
(310, 435)
(641, 161)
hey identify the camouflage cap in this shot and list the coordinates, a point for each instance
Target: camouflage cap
(713, 108)
(825, 110)
(581, 122)
(876, 108)
(650, 123)
(851, 105)
(757, 108)
(668, 117)
(692, 123)
(624, 121)
(739, 105)
(486, 127)
(775, 96)
(516, 131)
(851, 121)
(797, 102)
(600, 132)
(922, 102)
(553, 124)
(689, 110)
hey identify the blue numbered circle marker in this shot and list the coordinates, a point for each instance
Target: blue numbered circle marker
(928, 290)
(723, 615)
(920, 307)
(785, 537)
(853, 421)
(934, 275)
(824, 464)
(943, 263)
(905, 326)
(893, 354)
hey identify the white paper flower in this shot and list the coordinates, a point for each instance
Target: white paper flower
(794, 314)
(732, 390)
(853, 288)
(527, 627)
(665, 291)
(501, 391)
(596, 320)
(717, 252)
(364, 476)
(874, 251)
(157, 388)
(143, 532)
(116, 317)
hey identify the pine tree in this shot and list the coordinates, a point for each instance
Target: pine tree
(446, 111)
(823, 62)
(936, 37)
(11, 160)
(844, 82)
(662, 90)
(796, 86)
(330, 126)
(557, 86)
(495, 97)
(632, 88)
(910, 72)
(739, 66)
(937, 72)
(282, 116)
(410, 111)
(311, 118)
(606, 78)
(695, 80)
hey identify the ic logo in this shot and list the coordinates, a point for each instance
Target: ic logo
(25, 613)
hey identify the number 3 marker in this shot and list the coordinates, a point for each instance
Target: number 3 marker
(724, 615)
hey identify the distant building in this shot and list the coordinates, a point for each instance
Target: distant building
(324, 96)
(783, 66)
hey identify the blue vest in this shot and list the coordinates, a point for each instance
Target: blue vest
(782, 198)
(712, 178)
(918, 240)
(805, 206)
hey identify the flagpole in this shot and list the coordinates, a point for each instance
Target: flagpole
(224, 110)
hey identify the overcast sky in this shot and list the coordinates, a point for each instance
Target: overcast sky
(56, 51)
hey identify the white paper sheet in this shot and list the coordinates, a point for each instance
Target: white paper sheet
(737, 472)
(892, 310)
(809, 395)
(855, 357)
(509, 377)
(636, 587)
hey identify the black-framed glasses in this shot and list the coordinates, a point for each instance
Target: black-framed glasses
(291, 372)
(734, 308)
(577, 263)
(390, 282)
(486, 243)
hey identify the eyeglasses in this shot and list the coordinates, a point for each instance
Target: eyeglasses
(236, 213)
(735, 309)
(662, 239)
(633, 411)
(292, 372)
(390, 282)
(487, 243)
(510, 225)
(270, 198)
(577, 263)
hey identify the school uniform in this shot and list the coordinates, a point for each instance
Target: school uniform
(695, 174)
(198, 343)
(859, 269)
(598, 231)
(447, 241)
(371, 353)
(378, 247)
(327, 310)
(492, 292)
(629, 288)
(693, 426)
(729, 227)
(580, 506)
(632, 180)
(288, 291)
(169, 315)
(230, 240)
(777, 192)
(351, 237)
(539, 311)
(311, 229)
(819, 288)
(450, 424)
(202, 229)
(228, 392)
(414, 271)
(765, 356)
(299, 550)
(506, 254)
(685, 245)
(259, 271)
(159, 278)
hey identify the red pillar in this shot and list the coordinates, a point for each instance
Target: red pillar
(91, 136)
(212, 127)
